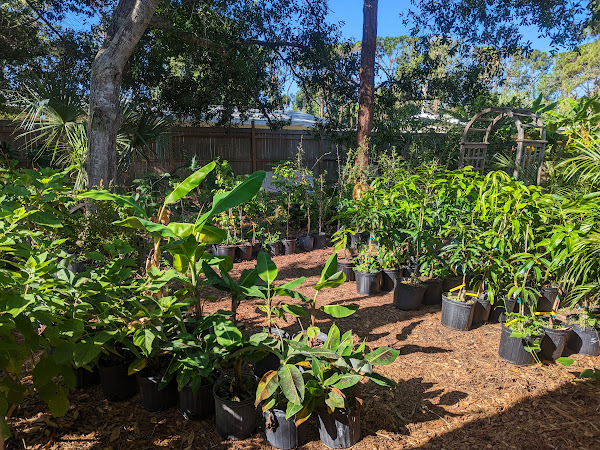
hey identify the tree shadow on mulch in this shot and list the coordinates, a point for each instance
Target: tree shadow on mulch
(412, 401)
(567, 417)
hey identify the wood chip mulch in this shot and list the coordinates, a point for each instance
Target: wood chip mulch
(454, 392)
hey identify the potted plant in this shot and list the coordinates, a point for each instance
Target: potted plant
(464, 255)
(346, 262)
(195, 367)
(367, 273)
(281, 392)
(235, 413)
(408, 293)
(585, 338)
(333, 389)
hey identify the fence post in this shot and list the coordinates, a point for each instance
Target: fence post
(253, 146)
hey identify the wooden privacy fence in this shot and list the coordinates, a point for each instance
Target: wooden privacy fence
(246, 149)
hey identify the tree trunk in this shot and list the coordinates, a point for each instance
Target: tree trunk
(366, 92)
(128, 23)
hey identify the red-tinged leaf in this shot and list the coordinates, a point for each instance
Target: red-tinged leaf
(382, 356)
(266, 387)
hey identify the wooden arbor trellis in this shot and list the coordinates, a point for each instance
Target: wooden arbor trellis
(530, 151)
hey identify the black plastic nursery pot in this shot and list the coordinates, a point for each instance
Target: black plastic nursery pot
(320, 241)
(451, 283)
(306, 243)
(433, 293)
(548, 296)
(389, 278)
(269, 362)
(367, 283)
(226, 250)
(116, 384)
(289, 246)
(408, 296)
(234, 420)
(275, 248)
(357, 238)
(154, 399)
(348, 268)
(256, 248)
(340, 429)
(585, 340)
(199, 405)
(85, 378)
(481, 311)
(511, 349)
(554, 342)
(456, 314)
(244, 251)
(407, 271)
(283, 433)
(500, 308)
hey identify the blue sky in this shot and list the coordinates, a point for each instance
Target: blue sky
(389, 21)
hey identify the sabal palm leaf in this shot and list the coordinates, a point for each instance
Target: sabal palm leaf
(53, 113)
(138, 131)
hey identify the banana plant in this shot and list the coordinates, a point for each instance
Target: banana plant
(160, 227)
(245, 287)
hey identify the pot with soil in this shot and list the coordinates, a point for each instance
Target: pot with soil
(289, 246)
(153, 398)
(511, 349)
(306, 243)
(116, 384)
(197, 405)
(585, 340)
(457, 313)
(283, 433)
(408, 271)
(226, 250)
(367, 283)
(235, 413)
(481, 310)
(554, 342)
(320, 241)
(244, 251)
(275, 248)
(389, 278)
(340, 429)
(433, 293)
(408, 294)
(347, 266)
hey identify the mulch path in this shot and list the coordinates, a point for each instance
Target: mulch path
(454, 392)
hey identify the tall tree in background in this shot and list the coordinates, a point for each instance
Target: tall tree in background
(366, 102)
(128, 23)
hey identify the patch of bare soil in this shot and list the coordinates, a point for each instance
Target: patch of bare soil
(454, 392)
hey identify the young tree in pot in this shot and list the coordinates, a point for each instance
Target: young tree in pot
(235, 413)
(367, 273)
(194, 366)
(346, 263)
(464, 256)
(333, 390)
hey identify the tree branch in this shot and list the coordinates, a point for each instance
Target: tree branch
(43, 19)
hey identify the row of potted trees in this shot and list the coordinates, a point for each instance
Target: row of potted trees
(497, 241)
